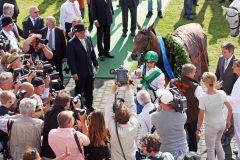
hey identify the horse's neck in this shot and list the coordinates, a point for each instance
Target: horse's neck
(156, 45)
(235, 4)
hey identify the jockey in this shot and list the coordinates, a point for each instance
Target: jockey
(152, 78)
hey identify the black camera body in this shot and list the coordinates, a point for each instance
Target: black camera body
(42, 41)
(20, 94)
(179, 102)
(77, 111)
(4, 43)
(121, 75)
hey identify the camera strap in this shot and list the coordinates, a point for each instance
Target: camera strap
(77, 142)
(124, 157)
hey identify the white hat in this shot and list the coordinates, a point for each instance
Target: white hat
(164, 95)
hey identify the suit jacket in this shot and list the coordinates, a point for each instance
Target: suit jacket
(102, 10)
(16, 9)
(60, 43)
(125, 2)
(228, 77)
(80, 61)
(29, 28)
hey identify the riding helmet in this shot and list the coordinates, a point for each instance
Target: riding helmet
(151, 56)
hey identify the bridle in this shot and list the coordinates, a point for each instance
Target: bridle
(237, 14)
(148, 43)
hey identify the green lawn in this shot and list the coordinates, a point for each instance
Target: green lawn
(209, 14)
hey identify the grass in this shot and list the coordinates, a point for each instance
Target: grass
(212, 18)
(209, 14)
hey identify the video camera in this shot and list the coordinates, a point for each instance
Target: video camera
(179, 102)
(18, 73)
(42, 41)
(20, 94)
(121, 75)
(3, 43)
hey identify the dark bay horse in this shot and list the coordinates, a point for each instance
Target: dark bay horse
(192, 39)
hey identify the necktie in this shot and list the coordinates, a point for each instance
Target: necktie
(50, 39)
(225, 64)
(84, 44)
(34, 22)
(77, 12)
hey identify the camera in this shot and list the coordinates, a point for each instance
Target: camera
(77, 111)
(179, 102)
(42, 41)
(121, 75)
(18, 73)
(20, 94)
(4, 42)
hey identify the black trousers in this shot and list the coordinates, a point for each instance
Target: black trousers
(103, 39)
(226, 141)
(133, 12)
(68, 27)
(56, 61)
(85, 86)
(90, 15)
(192, 138)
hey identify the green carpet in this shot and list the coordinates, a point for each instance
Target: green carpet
(121, 47)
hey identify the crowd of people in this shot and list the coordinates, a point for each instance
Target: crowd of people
(40, 120)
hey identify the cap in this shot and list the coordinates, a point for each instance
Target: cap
(13, 57)
(165, 96)
(37, 81)
(6, 21)
(79, 27)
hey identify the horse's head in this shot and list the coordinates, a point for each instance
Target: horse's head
(232, 17)
(143, 42)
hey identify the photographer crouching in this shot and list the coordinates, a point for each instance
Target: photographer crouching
(169, 123)
(123, 125)
(37, 47)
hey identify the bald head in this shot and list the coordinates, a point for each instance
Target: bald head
(34, 12)
(27, 87)
(65, 119)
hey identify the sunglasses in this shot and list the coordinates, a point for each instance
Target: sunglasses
(36, 12)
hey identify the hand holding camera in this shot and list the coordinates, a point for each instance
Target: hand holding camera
(78, 104)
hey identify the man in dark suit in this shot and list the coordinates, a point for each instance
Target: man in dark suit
(56, 42)
(82, 60)
(34, 23)
(102, 12)
(132, 6)
(225, 74)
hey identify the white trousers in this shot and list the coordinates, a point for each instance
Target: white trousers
(236, 122)
(213, 135)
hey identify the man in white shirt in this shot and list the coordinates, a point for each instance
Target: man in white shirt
(69, 10)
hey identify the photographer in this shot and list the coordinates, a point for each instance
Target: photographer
(151, 144)
(170, 125)
(123, 126)
(7, 83)
(192, 90)
(36, 46)
(61, 103)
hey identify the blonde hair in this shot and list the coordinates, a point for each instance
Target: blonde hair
(210, 78)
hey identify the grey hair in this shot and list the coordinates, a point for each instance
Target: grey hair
(64, 118)
(7, 7)
(4, 76)
(143, 97)
(187, 69)
(27, 105)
